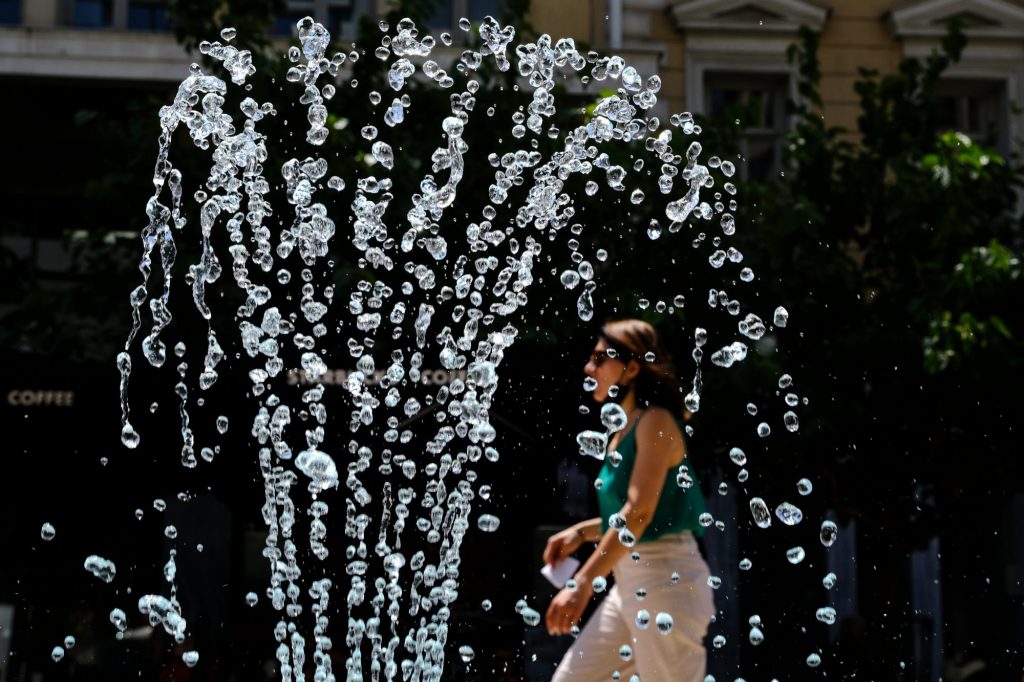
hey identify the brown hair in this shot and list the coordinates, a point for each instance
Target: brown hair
(656, 384)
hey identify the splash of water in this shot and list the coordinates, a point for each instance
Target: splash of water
(399, 619)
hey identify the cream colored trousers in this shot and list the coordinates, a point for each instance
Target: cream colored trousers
(679, 655)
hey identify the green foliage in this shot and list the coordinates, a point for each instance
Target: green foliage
(900, 247)
(198, 20)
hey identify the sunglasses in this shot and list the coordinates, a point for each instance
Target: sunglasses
(598, 357)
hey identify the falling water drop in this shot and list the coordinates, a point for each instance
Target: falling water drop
(488, 523)
(789, 514)
(829, 532)
(759, 510)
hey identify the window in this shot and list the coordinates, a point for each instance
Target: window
(736, 60)
(148, 15)
(979, 94)
(10, 12)
(448, 12)
(340, 17)
(93, 13)
(758, 101)
(977, 108)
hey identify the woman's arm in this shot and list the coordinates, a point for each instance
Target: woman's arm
(659, 445)
(564, 543)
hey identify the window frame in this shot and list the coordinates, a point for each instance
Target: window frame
(741, 59)
(320, 10)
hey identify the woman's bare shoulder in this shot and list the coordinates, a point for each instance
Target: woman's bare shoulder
(658, 423)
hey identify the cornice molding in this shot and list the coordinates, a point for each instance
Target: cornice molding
(776, 16)
(983, 18)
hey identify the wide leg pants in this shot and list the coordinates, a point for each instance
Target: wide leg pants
(679, 655)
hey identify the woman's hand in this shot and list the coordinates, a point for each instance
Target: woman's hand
(567, 608)
(562, 544)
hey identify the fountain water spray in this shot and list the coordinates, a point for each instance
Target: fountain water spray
(455, 309)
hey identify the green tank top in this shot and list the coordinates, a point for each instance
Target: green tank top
(678, 508)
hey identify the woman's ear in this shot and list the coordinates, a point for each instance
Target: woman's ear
(632, 370)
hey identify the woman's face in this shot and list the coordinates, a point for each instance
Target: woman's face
(607, 371)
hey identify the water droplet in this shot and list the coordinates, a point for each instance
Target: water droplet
(466, 653)
(57, 654)
(718, 642)
(759, 510)
(464, 24)
(654, 228)
(751, 409)
(570, 279)
(119, 619)
(763, 430)
(738, 457)
(714, 582)
(751, 326)
(129, 437)
(804, 486)
(592, 443)
(756, 636)
(600, 584)
(828, 533)
(795, 555)
(826, 615)
(488, 523)
(789, 514)
(781, 317)
(643, 619)
(228, 34)
(190, 658)
(626, 537)
(101, 568)
(613, 417)
(251, 599)
(486, 605)
(626, 652)
(48, 532)
(813, 661)
(785, 381)
(69, 642)
(829, 581)
(746, 564)
(530, 617)
(791, 421)
(663, 621)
